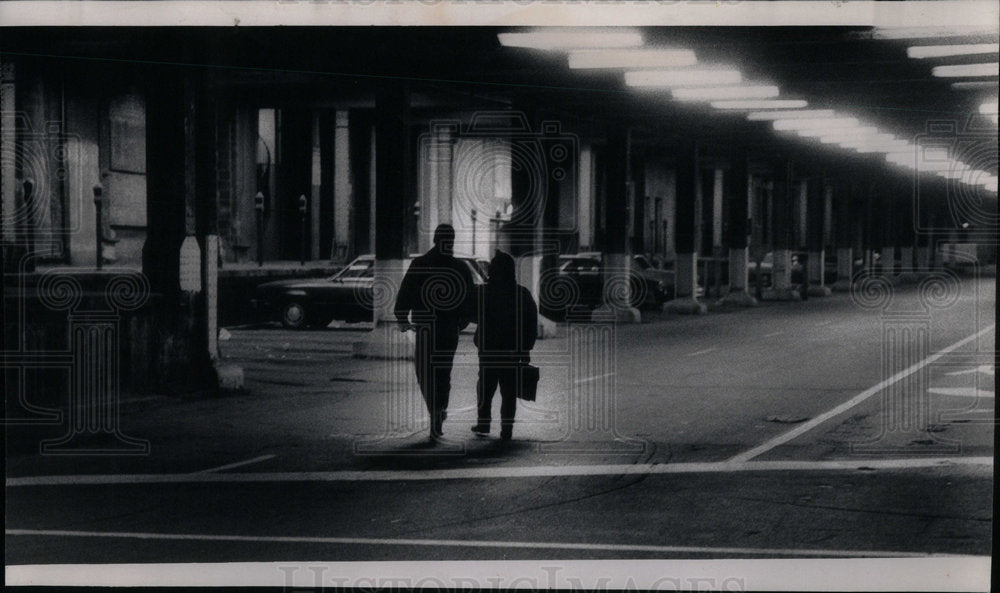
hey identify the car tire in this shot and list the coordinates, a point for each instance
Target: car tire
(293, 315)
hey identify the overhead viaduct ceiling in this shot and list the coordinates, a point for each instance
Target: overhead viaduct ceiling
(849, 69)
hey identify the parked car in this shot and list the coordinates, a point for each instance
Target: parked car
(767, 269)
(345, 296)
(577, 287)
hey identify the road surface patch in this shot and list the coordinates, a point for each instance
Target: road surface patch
(857, 399)
(535, 471)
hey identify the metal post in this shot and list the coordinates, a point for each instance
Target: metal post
(804, 260)
(303, 203)
(99, 212)
(258, 205)
(473, 232)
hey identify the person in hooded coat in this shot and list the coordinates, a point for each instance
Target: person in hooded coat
(505, 334)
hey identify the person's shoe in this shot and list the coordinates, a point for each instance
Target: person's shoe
(506, 434)
(481, 430)
(436, 431)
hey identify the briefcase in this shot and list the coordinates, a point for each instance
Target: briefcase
(529, 382)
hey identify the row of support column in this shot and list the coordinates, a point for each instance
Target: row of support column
(858, 214)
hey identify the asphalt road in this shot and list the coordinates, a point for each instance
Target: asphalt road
(815, 429)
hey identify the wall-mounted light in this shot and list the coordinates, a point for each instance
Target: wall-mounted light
(631, 58)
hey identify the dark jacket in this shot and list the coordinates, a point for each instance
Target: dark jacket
(437, 290)
(507, 314)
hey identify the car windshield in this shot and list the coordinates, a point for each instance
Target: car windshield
(357, 269)
(364, 269)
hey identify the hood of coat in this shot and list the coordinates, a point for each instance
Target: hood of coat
(502, 272)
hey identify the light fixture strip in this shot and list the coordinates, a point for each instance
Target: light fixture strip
(700, 77)
(966, 70)
(725, 93)
(631, 58)
(921, 52)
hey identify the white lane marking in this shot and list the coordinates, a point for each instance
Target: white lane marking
(237, 464)
(961, 391)
(377, 541)
(594, 378)
(772, 334)
(822, 323)
(857, 399)
(986, 369)
(705, 351)
(532, 471)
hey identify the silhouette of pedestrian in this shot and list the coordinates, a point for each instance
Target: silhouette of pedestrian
(505, 334)
(435, 300)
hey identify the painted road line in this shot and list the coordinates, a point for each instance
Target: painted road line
(772, 334)
(471, 543)
(237, 464)
(986, 369)
(961, 391)
(857, 399)
(705, 351)
(532, 471)
(594, 378)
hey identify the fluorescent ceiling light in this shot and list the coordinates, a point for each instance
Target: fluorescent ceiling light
(571, 39)
(978, 85)
(835, 136)
(920, 52)
(805, 113)
(676, 78)
(962, 70)
(931, 32)
(763, 104)
(631, 58)
(897, 150)
(723, 93)
(884, 139)
(878, 147)
(815, 123)
(988, 108)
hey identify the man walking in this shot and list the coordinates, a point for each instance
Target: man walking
(505, 335)
(435, 300)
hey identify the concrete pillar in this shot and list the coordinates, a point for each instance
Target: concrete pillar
(585, 192)
(906, 234)
(391, 141)
(316, 176)
(815, 218)
(781, 274)
(737, 195)
(843, 230)
(686, 232)
(530, 189)
(181, 179)
(342, 190)
(616, 262)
